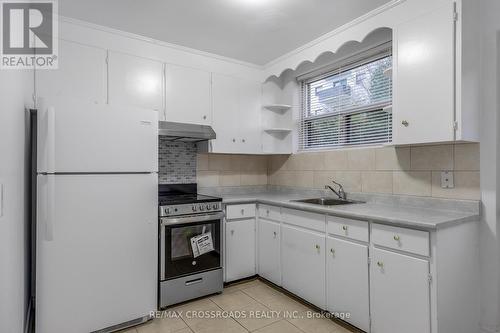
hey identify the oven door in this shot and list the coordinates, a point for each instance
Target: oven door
(178, 248)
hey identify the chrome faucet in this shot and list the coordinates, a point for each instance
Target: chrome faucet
(340, 193)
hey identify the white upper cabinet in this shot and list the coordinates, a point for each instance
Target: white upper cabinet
(236, 107)
(135, 81)
(225, 113)
(428, 79)
(81, 75)
(187, 95)
(250, 100)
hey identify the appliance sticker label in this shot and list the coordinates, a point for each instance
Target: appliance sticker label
(202, 244)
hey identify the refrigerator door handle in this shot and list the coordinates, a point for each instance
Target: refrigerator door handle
(51, 139)
(49, 208)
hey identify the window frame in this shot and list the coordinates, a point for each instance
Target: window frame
(361, 59)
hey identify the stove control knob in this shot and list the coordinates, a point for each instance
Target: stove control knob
(167, 211)
(201, 208)
(216, 206)
(194, 208)
(208, 207)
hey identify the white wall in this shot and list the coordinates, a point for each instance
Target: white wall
(15, 86)
(489, 124)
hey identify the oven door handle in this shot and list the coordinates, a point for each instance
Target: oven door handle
(191, 219)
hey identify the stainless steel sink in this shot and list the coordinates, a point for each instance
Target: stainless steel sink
(328, 201)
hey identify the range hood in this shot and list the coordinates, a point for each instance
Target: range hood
(185, 132)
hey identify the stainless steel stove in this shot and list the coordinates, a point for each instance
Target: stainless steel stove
(190, 244)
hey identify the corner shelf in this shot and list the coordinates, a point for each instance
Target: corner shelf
(278, 130)
(277, 107)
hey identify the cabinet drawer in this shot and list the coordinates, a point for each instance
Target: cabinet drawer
(270, 212)
(353, 229)
(240, 211)
(403, 239)
(304, 219)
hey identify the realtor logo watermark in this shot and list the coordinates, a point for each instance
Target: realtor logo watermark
(28, 34)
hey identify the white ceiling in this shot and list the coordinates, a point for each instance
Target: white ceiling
(255, 31)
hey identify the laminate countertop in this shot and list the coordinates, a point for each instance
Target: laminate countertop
(429, 215)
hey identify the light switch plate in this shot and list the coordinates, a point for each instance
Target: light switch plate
(447, 180)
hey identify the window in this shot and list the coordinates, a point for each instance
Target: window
(348, 107)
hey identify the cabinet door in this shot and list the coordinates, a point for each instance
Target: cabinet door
(81, 75)
(424, 78)
(135, 81)
(303, 264)
(240, 249)
(250, 133)
(399, 293)
(225, 103)
(187, 95)
(269, 251)
(347, 281)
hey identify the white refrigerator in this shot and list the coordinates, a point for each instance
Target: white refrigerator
(96, 217)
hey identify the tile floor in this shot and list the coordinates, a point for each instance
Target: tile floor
(238, 309)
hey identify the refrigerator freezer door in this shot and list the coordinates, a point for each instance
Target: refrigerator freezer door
(85, 138)
(97, 251)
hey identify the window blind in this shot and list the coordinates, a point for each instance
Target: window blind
(348, 107)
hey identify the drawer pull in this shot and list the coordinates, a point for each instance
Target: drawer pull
(232, 232)
(195, 281)
(380, 264)
(405, 123)
(267, 212)
(242, 212)
(344, 227)
(317, 247)
(275, 234)
(396, 238)
(332, 251)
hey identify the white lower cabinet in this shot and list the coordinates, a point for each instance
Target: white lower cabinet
(240, 249)
(347, 281)
(269, 251)
(303, 264)
(400, 293)
(324, 260)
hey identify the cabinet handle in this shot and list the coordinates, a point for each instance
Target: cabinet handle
(332, 251)
(205, 117)
(405, 123)
(396, 238)
(234, 140)
(267, 212)
(242, 212)
(344, 227)
(317, 247)
(232, 232)
(380, 264)
(243, 140)
(275, 234)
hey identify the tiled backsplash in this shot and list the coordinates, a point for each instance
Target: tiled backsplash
(403, 171)
(177, 162)
(232, 170)
(412, 170)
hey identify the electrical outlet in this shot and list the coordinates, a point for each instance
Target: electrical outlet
(447, 179)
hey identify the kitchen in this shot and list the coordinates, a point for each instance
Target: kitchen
(325, 166)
